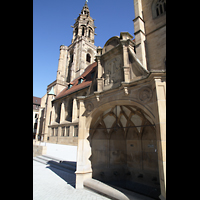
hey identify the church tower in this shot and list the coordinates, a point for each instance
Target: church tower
(84, 26)
(81, 53)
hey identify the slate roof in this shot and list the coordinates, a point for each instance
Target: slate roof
(76, 86)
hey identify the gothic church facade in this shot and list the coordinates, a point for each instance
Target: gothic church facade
(111, 102)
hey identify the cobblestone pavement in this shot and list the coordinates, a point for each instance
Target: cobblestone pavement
(53, 184)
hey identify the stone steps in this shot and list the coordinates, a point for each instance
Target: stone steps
(56, 163)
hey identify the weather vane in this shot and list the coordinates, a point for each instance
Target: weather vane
(87, 1)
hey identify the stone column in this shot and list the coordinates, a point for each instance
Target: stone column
(54, 115)
(62, 114)
(126, 67)
(139, 33)
(47, 115)
(83, 166)
(62, 63)
(74, 110)
(38, 125)
(100, 70)
(161, 133)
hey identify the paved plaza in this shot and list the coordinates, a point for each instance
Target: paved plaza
(53, 184)
(50, 183)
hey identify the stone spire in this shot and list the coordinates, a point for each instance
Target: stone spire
(84, 25)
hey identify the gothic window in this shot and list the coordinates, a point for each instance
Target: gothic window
(71, 58)
(158, 8)
(69, 110)
(88, 58)
(58, 113)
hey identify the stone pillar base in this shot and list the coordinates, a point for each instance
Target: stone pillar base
(81, 177)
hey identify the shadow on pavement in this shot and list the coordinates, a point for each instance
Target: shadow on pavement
(67, 175)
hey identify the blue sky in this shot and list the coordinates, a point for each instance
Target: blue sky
(52, 20)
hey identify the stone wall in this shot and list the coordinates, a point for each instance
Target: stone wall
(39, 150)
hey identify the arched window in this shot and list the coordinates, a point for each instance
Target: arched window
(88, 58)
(58, 113)
(158, 8)
(90, 32)
(76, 31)
(83, 31)
(69, 110)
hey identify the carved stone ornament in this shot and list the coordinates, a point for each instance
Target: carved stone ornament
(89, 106)
(145, 94)
(113, 71)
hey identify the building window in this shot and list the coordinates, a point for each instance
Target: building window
(71, 58)
(88, 58)
(69, 86)
(58, 113)
(89, 33)
(92, 74)
(52, 132)
(80, 81)
(160, 7)
(63, 131)
(69, 110)
(83, 31)
(76, 131)
(67, 131)
(76, 31)
(56, 131)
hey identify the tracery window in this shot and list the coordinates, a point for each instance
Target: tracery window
(160, 7)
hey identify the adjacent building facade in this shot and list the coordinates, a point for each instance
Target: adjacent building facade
(111, 102)
(36, 105)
